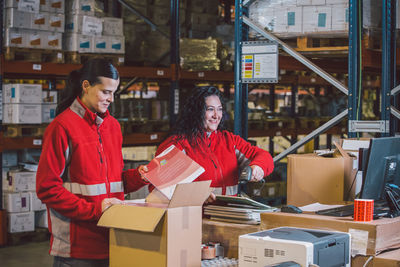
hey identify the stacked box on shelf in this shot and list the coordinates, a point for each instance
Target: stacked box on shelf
(49, 105)
(19, 195)
(202, 18)
(17, 200)
(288, 18)
(22, 103)
(86, 33)
(34, 26)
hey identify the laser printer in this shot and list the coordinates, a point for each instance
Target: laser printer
(289, 246)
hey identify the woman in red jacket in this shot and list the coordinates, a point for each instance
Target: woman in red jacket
(199, 133)
(80, 170)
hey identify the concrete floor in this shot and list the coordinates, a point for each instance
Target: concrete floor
(32, 254)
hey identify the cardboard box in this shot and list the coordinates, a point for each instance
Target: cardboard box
(340, 17)
(56, 22)
(22, 113)
(85, 7)
(56, 6)
(139, 153)
(113, 26)
(387, 259)
(117, 44)
(35, 203)
(28, 8)
(227, 234)
(102, 44)
(35, 39)
(288, 19)
(49, 97)
(167, 233)
(317, 19)
(367, 238)
(22, 93)
(16, 202)
(21, 222)
(19, 181)
(313, 178)
(41, 219)
(78, 43)
(15, 38)
(48, 112)
(83, 24)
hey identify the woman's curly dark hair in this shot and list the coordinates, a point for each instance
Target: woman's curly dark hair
(190, 122)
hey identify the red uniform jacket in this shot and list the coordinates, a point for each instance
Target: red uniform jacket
(222, 156)
(80, 165)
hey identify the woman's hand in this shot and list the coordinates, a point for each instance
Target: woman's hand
(257, 173)
(210, 199)
(142, 170)
(108, 202)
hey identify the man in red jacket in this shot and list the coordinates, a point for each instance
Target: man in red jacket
(198, 132)
(80, 171)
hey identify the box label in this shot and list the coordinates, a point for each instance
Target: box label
(359, 242)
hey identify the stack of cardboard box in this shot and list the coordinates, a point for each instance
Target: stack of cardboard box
(87, 33)
(34, 24)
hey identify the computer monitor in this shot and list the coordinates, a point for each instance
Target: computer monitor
(383, 166)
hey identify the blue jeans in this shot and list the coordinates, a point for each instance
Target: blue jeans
(72, 262)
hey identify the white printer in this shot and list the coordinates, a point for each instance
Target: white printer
(287, 246)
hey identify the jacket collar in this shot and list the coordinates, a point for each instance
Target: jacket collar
(82, 111)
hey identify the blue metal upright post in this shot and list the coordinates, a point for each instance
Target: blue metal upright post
(355, 27)
(174, 90)
(388, 62)
(241, 90)
(237, 122)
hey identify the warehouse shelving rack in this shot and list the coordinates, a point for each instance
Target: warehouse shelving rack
(357, 60)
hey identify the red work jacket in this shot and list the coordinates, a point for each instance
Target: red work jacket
(80, 165)
(222, 156)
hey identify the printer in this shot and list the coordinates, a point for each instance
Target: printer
(288, 246)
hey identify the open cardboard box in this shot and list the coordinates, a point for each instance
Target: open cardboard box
(323, 179)
(160, 232)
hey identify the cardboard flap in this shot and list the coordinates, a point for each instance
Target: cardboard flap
(190, 194)
(156, 196)
(341, 150)
(131, 217)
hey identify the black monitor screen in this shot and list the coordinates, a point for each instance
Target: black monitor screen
(383, 167)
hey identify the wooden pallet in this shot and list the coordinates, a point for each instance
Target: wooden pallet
(33, 55)
(16, 130)
(81, 58)
(40, 234)
(319, 44)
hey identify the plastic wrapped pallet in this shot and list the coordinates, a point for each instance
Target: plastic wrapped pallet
(199, 54)
(287, 18)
